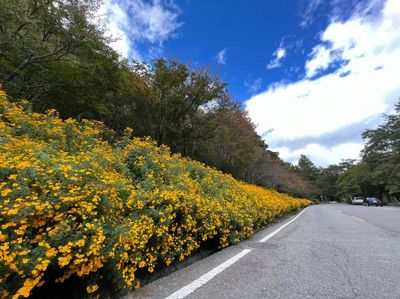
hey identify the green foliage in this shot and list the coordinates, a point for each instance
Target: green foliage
(233, 143)
(382, 155)
(309, 172)
(327, 180)
(173, 94)
(54, 56)
(307, 169)
(352, 182)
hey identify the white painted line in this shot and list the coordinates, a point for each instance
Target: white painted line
(194, 285)
(191, 287)
(282, 227)
(359, 219)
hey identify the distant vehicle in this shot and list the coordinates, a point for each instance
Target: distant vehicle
(357, 201)
(372, 201)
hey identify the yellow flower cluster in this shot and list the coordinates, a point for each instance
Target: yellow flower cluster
(75, 204)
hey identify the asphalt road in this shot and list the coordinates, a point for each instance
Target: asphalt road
(329, 251)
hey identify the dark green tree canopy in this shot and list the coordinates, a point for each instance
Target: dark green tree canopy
(36, 33)
(307, 169)
(382, 154)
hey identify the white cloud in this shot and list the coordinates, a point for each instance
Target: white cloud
(336, 9)
(279, 54)
(288, 43)
(155, 21)
(322, 155)
(116, 18)
(221, 56)
(362, 87)
(132, 22)
(253, 86)
(308, 13)
(321, 59)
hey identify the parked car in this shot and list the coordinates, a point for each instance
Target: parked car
(357, 201)
(372, 201)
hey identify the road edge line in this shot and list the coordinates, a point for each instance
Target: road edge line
(191, 287)
(282, 227)
(194, 285)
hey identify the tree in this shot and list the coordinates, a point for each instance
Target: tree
(268, 170)
(357, 181)
(52, 54)
(383, 142)
(326, 181)
(307, 169)
(309, 172)
(382, 154)
(233, 143)
(174, 97)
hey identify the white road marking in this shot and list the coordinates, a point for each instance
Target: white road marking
(359, 219)
(282, 227)
(191, 287)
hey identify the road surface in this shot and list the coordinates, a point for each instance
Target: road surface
(329, 251)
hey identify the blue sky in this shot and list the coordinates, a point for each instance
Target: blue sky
(313, 74)
(247, 32)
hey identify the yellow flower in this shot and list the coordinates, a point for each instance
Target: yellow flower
(5, 192)
(80, 243)
(28, 285)
(12, 177)
(7, 225)
(92, 288)
(64, 260)
(51, 252)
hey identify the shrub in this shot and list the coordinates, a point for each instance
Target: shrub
(76, 206)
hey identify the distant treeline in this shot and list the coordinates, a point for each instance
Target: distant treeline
(53, 54)
(377, 174)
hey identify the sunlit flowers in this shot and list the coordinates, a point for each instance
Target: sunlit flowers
(73, 202)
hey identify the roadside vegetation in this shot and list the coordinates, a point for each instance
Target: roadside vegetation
(77, 207)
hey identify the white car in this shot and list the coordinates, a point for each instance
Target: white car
(357, 201)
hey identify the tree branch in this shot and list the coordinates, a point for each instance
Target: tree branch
(19, 29)
(53, 56)
(2, 29)
(36, 7)
(19, 68)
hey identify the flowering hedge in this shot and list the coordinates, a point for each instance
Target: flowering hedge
(74, 205)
